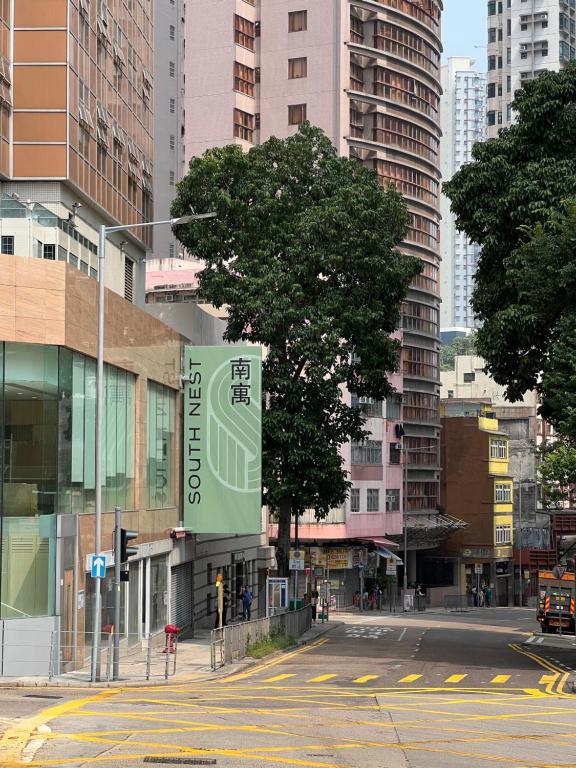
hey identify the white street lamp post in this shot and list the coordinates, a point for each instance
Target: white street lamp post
(99, 410)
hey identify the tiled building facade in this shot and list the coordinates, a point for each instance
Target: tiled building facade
(368, 73)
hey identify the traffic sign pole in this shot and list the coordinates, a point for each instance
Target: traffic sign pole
(117, 569)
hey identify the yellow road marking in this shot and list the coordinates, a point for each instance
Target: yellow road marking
(274, 662)
(500, 679)
(278, 678)
(366, 678)
(455, 678)
(545, 679)
(321, 678)
(15, 739)
(410, 678)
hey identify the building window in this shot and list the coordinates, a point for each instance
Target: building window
(367, 452)
(491, 118)
(172, 106)
(503, 534)
(498, 449)
(503, 493)
(372, 500)
(491, 91)
(296, 114)
(297, 68)
(393, 407)
(244, 32)
(370, 408)
(172, 141)
(395, 453)
(161, 445)
(469, 377)
(355, 500)
(128, 279)
(392, 500)
(8, 244)
(172, 32)
(172, 69)
(243, 125)
(49, 252)
(297, 21)
(171, 178)
(244, 79)
(101, 156)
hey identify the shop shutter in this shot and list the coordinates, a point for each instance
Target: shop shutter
(181, 594)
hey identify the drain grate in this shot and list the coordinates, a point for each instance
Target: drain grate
(40, 696)
(179, 761)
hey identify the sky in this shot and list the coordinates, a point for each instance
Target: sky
(464, 25)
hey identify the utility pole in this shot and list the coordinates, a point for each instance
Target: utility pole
(296, 550)
(521, 585)
(117, 587)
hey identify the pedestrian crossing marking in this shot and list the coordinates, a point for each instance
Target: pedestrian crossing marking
(500, 679)
(455, 678)
(366, 678)
(410, 678)
(546, 679)
(321, 678)
(277, 678)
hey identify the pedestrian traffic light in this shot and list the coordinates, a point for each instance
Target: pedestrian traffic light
(125, 550)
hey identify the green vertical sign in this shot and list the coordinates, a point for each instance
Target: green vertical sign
(223, 439)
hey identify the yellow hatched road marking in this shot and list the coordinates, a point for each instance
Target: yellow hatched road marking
(455, 678)
(321, 678)
(366, 678)
(410, 678)
(277, 678)
(500, 679)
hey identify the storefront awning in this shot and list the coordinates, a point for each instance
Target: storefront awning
(381, 542)
(383, 552)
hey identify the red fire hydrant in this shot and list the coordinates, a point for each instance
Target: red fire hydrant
(171, 631)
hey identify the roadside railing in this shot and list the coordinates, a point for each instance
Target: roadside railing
(458, 602)
(231, 643)
(52, 653)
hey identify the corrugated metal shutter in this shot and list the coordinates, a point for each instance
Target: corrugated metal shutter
(181, 594)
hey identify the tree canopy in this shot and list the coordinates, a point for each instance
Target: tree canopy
(512, 201)
(460, 345)
(303, 253)
(557, 472)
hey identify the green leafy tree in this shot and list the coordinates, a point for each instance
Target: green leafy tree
(557, 471)
(503, 200)
(460, 345)
(303, 253)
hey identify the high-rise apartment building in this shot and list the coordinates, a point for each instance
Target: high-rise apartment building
(169, 116)
(368, 73)
(463, 116)
(77, 126)
(525, 38)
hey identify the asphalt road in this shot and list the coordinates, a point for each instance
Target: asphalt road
(375, 692)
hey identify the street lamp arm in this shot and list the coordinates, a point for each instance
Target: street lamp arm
(172, 222)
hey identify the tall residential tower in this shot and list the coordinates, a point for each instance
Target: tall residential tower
(368, 73)
(525, 38)
(463, 124)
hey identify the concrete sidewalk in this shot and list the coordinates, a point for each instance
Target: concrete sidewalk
(192, 665)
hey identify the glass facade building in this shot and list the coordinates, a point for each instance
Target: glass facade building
(47, 461)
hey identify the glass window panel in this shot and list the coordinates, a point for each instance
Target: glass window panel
(89, 436)
(110, 452)
(158, 593)
(78, 419)
(65, 427)
(121, 439)
(161, 411)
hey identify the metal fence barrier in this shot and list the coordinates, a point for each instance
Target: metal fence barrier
(232, 642)
(458, 602)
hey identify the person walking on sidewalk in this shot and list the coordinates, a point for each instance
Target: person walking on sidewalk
(246, 603)
(314, 603)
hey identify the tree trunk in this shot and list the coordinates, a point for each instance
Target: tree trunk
(283, 543)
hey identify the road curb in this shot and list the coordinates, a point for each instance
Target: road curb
(171, 681)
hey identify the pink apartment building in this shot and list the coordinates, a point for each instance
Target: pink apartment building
(367, 72)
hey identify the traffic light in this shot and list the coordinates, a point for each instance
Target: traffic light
(125, 550)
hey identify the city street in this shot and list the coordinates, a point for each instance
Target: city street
(376, 691)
